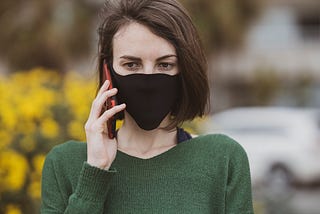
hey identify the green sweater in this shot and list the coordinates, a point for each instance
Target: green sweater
(207, 174)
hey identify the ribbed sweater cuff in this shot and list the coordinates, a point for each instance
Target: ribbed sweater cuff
(94, 183)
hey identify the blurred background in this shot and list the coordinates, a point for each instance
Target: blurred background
(264, 68)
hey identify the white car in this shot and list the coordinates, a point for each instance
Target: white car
(282, 144)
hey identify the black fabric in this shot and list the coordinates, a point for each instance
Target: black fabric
(182, 135)
(149, 98)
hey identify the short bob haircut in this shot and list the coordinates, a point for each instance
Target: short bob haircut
(167, 19)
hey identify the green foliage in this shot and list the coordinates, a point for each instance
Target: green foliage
(45, 33)
(222, 23)
(52, 33)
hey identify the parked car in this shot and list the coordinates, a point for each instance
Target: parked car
(282, 144)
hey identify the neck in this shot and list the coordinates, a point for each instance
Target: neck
(136, 140)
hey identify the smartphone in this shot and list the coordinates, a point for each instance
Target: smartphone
(111, 102)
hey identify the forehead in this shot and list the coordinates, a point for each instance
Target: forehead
(137, 39)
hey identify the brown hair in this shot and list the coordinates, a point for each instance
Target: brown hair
(169, 20)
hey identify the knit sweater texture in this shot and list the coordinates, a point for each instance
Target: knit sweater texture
(206, 174)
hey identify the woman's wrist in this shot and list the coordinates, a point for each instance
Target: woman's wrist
(104, 166)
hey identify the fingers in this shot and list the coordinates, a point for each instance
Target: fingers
(109, 113)
(99, 102)
(99, 125)
(103, 88)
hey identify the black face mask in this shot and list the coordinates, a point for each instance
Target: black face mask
(148, 97)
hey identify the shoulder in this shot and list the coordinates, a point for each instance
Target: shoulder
(62, 166)
(65, 159)
(218, 140)
(219, 144)
(68, 150)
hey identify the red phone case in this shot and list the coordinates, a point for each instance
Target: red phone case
(111, 102)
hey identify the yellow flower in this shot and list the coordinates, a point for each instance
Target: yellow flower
(76, 130)
(34, 106)
(38, 162)
(27, 143)
(79, 93)
(13, 170)
(49, 128)
(34, 189)
(6, 138)
(26, 127)
(194, 126)
(12, 209)
(7, 115)
(119, 123)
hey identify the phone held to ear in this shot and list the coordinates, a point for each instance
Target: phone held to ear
(111, 102)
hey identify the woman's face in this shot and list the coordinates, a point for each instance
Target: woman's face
(137, 50)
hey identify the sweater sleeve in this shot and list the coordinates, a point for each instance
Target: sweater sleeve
(88, 197)
(238, 191)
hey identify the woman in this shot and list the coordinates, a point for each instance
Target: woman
(151, 165)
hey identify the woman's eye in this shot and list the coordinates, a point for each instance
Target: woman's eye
(131, 66)
(165, 66)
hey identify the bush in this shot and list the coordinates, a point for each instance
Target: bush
(38, 109)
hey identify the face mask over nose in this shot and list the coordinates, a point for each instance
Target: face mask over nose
(149, 98)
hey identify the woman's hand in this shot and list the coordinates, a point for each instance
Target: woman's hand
(101, 150)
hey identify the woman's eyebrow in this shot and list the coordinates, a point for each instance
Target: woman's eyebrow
(133, 58)
(166, 56)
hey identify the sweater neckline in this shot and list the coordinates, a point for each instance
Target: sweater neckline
(182, 136)
(160, 156)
